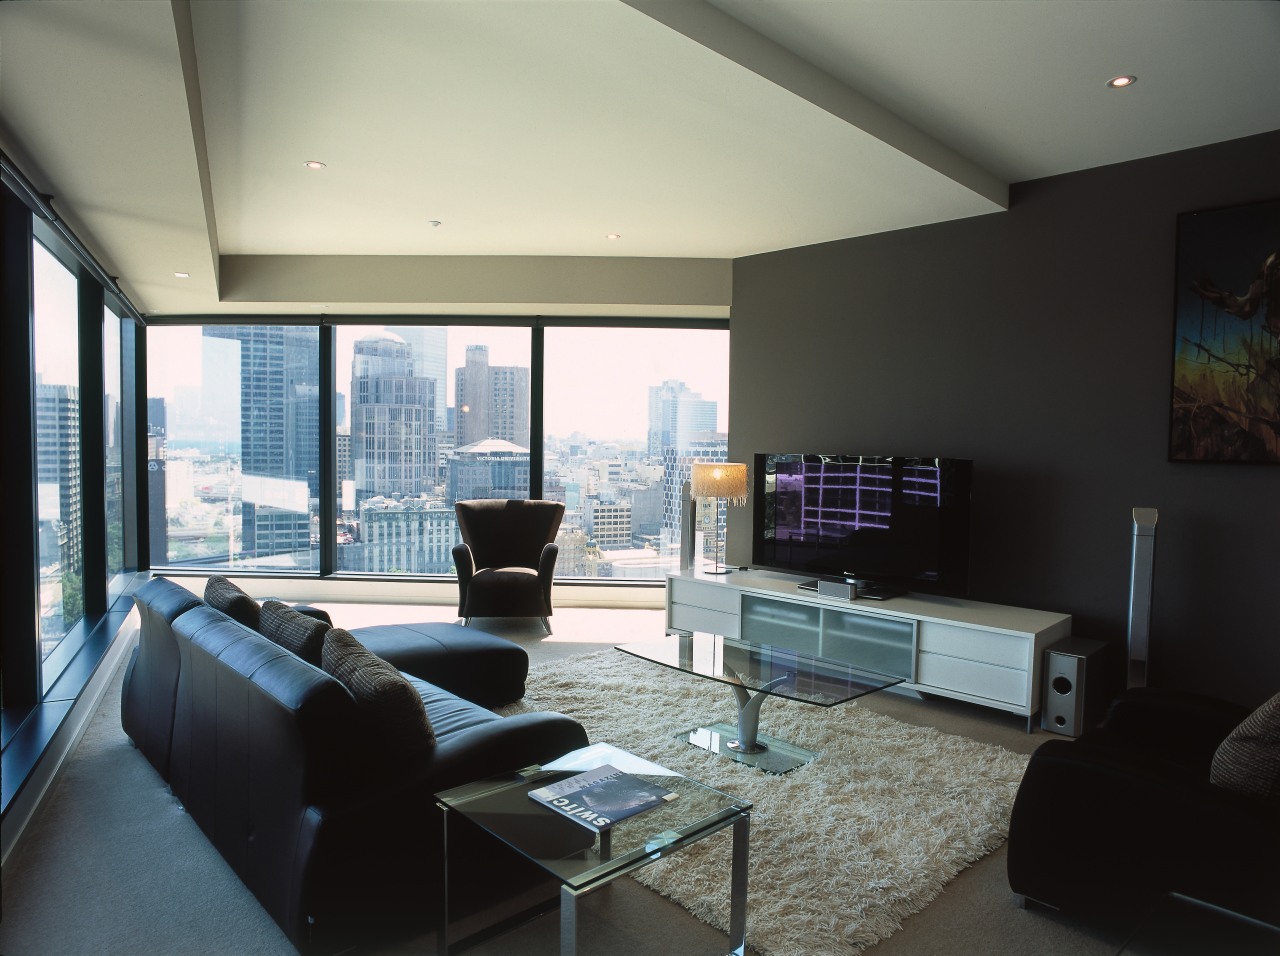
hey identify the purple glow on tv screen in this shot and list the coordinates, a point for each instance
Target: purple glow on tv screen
(890, 520)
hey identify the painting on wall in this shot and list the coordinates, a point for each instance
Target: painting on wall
(1226, 347)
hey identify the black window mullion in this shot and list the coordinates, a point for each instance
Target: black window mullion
(328, 505)
(93, 473)
(137, 379)
(21, 642)
(536, 379)
(133, 459)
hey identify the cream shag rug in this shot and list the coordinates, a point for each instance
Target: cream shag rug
(842, 850)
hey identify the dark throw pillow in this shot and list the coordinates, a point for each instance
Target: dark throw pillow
(221, 595)
(293, 630)
(1248, 761)
(391, 710)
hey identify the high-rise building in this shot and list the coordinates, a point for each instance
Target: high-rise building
(343, 452)
(58, 476)
(279, 434)
(411, 536)
(677, 417)
(492, 400)
(430, 346)
(488, 469)
(678, 468)
(392, 419)
(609, 523)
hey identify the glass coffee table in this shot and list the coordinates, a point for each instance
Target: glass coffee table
(583, 860)
(755, 672)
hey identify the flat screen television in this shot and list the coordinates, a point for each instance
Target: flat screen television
(890, 524)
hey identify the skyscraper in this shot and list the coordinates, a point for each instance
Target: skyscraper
(677, 469)
(492, 400)
(492, 468)
(392, 419)
(58, 480)
(430, 360)
(279, 433)
(677, 418)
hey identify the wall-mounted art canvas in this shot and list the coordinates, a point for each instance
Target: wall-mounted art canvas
(1226, 348)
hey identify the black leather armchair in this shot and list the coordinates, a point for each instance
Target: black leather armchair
(1104, 826)
(507, 559)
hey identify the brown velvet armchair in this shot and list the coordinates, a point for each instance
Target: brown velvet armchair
(507, 559)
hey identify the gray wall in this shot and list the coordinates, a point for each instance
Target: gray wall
(1037, 342)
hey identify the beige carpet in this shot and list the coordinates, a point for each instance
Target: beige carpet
(842, 850)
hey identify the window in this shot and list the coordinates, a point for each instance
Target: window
(627, 410)
(113, 449)
(233, 446)
(436, 414)
(57, 407)
(425, 416)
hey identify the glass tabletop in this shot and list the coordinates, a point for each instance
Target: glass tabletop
(763, 668)
(576, 855)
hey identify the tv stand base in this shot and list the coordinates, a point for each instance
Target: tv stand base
(986, 654)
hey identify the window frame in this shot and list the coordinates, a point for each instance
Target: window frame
(328, 325)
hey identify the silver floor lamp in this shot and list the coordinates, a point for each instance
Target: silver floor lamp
(718, 480)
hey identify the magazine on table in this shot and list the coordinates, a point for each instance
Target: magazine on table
(599, 798)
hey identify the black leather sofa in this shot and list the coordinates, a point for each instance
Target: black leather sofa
(337, 835)
(1104, 826)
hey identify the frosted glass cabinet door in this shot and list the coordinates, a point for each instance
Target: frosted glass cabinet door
(782, 624)
(882, 644)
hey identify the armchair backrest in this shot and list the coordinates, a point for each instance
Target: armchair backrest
(508, 532)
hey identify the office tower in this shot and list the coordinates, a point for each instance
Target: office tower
(343, 450)
(677, 417)
(430, 345)
(410, 536)
(646, 512)
(492, 400)
(59, 485)
(155, 417)
(492, 468)
(678, 468)
(608, 523)
(392, 419)
(279, 434)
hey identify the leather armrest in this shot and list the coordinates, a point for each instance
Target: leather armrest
(464, 563)
(1183, 726)
(507, 744)
(547, 569)
(1106, 831)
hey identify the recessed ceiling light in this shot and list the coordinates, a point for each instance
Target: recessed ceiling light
(313, 164)
(182, 275)
(1120, 82)
(613, 235)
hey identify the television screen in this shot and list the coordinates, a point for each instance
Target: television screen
(901, 523)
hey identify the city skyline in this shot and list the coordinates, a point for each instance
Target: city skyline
(613, 407)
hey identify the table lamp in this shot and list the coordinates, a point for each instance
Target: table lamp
(719, 480)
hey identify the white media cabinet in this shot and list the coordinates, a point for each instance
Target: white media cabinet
(986, 654)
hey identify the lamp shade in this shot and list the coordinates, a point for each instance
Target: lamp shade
(719, 480)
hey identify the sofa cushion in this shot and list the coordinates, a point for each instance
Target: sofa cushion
(485, 669)
(221, 595)
(390, 707)
(1248, 760)
(293, 630)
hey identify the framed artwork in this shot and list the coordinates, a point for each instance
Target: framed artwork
(1226, 343)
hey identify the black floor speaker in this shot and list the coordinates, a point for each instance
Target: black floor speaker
(1073, 696)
